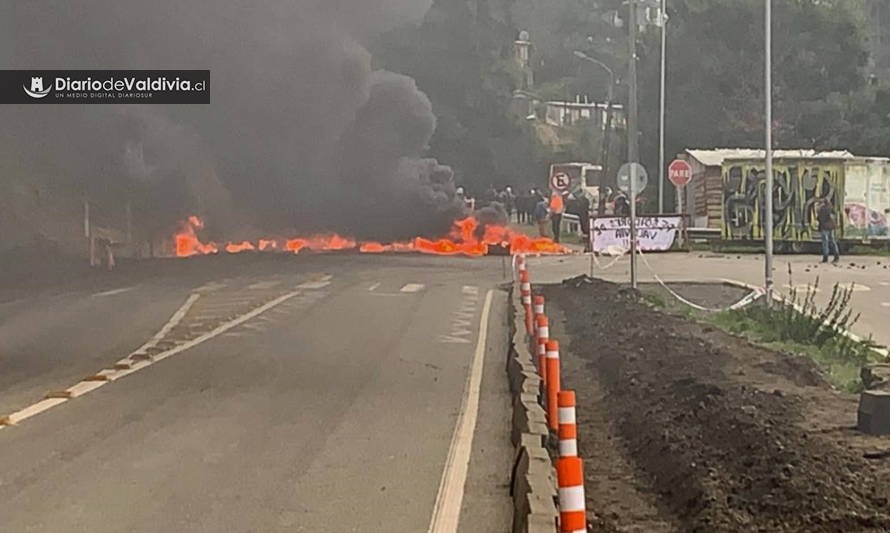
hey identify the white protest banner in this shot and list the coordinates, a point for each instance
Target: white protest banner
(654, 234)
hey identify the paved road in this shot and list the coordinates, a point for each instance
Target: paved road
(308, 394)
(870, 277)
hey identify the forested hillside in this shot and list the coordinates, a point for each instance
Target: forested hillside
(824, 96)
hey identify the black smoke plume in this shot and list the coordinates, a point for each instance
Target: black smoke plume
(302, 134)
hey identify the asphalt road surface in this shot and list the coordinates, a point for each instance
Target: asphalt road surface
(254, 393)
(868, 276)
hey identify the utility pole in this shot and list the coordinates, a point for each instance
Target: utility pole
(662, 19)
(768, 193)
(633, 150)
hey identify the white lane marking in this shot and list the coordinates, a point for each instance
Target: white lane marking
(460, 327)
(172, 323)
(374, 287)
(803, 287)
(469, 289)
(225, 327)
(77, 390)
(446, 513)
(32, 410)
(885, 284)
(885, 304)
(131, 366)
(314, 285)
(264, 285)
(210, 287)
(858, 287)
(113, 292)
(412, 287)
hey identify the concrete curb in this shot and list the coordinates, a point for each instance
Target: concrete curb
(533, 484)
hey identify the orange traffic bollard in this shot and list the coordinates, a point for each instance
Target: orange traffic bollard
(542, 362)
(538, 304)
(568, 430)
(572, 504)
(542, 335)
(543, 325)
(553, 385)
(525, 290)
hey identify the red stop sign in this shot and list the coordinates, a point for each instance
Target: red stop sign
(680, 173)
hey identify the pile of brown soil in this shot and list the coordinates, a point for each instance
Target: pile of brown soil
(714, 428)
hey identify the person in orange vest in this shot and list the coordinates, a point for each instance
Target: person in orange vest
(557, 208)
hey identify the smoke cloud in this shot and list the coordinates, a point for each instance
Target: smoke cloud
(301, 135)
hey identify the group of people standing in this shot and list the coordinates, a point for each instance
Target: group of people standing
(531, 207)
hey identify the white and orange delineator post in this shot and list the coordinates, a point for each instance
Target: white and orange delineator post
(553, 385)
(525, 291)
(521, 265)
(538, 304)
(568, 429)
(542, 336)
(572, 503)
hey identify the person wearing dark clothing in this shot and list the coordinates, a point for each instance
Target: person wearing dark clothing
(525, 207)
(622, 206)
(827, 226)
(510, 203)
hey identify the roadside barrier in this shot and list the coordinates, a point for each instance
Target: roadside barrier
(553, 383)
(541, 361)
(543, 327)
(538, 304)
(568, 430)
(572, 504)
(616, 259)
(519, 264)
(525, 289)
(534, 425)
(542, 336)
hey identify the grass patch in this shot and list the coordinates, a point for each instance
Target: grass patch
(654, 299)
(801, 326)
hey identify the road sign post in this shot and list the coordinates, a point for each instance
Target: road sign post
(680, 174)
(632, 179)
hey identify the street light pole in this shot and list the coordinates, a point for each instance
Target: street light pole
(633, 152)
(607, 129)
(662, 19)
(768, 193)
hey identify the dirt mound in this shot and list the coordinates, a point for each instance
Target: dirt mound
(714, 425)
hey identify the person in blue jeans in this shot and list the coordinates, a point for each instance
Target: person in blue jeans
(827, 225)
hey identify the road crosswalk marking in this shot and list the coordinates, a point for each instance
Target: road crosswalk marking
(264, 285)
(412, 287)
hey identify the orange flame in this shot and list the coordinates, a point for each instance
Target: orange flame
(237, 248)
(187, 242)
(465, 238)
(374, 248)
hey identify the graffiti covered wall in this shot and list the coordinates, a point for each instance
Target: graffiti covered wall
(798, 185)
